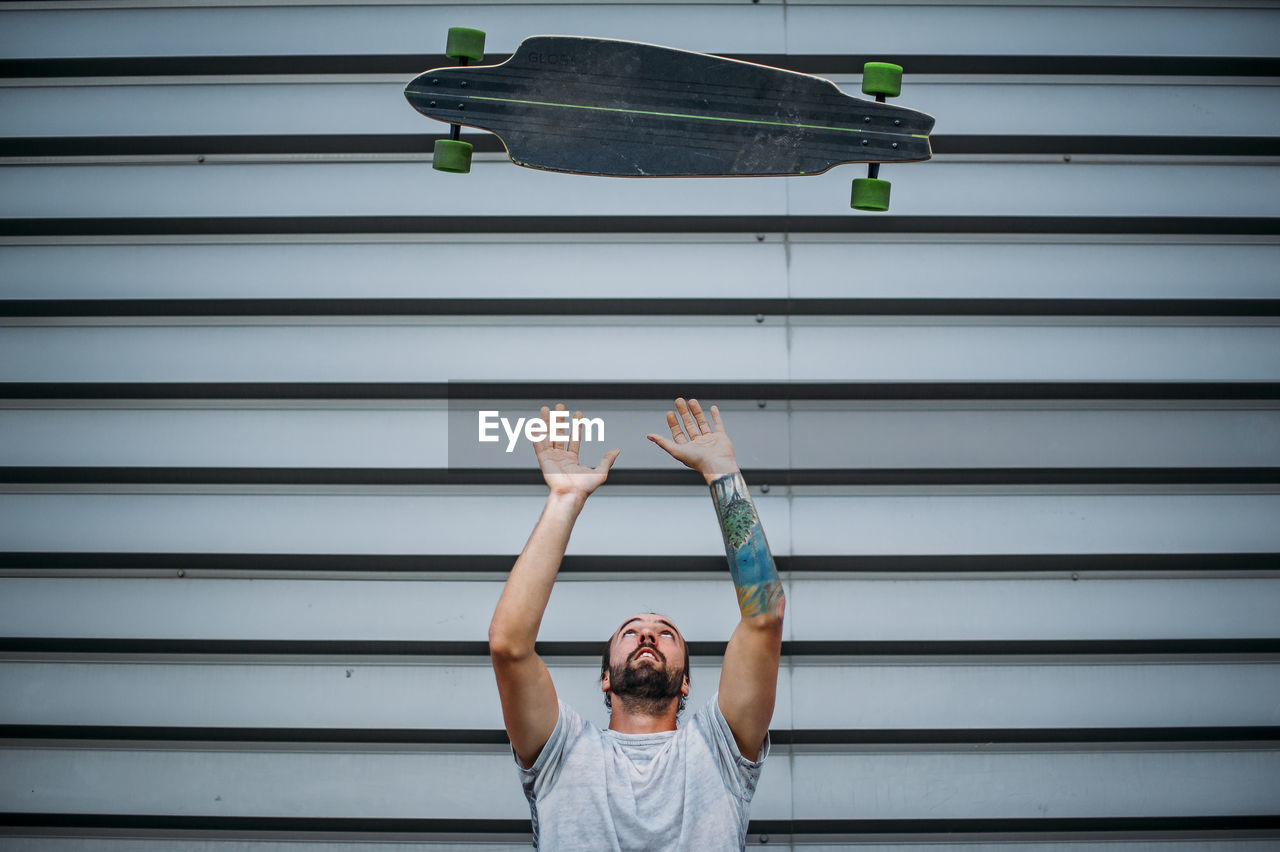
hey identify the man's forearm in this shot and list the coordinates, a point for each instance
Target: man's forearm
(750, 562)
(517, 617)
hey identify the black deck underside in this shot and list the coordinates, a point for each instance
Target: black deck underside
(604, 107)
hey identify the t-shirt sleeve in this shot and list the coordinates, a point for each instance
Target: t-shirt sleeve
(739, 774)
(539, 778)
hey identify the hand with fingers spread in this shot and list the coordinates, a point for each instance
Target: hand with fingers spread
(561, 469)
(696, 443)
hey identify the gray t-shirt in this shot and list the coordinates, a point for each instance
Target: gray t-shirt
(596, 789)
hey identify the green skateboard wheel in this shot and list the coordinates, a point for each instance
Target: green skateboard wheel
(882, 78)
(453, 156)
(465, 43)
(870, 194)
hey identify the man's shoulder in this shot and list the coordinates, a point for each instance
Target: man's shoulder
(573, 723)
(574, 729)
(708, 712)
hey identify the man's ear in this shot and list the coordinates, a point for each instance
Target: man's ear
(604, 681)
(684, 687)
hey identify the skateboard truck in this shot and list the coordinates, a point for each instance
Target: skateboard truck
(882, 79)
(453, 155)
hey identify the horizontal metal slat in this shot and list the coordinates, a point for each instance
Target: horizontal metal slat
(825, 64)
(965, 29)
(820, 610)
(802, 445)
(1058, 114)
(135, 736)
(956, 307)
(127, 228)
(310, 650)
(63, 833)
(45, 838)
(827, 786)
(362, 392)
(635, 349)
(697, 270)
(943, 188)
(982, 268)
(124, 564)
(376, 351)
(398, 702)
(771, 478)
(731, 275)
(741, 274)
(1026, 523)
(388, 30)
(825, 351)
(821, 700)
(1037, 28)
(350, 146)
(861, 523)
(436, 784)
(1080, 187)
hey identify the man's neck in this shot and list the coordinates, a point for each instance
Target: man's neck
(636, 717)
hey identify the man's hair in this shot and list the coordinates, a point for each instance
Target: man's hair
(604, 668)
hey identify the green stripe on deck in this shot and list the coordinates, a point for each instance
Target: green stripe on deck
(684, 115)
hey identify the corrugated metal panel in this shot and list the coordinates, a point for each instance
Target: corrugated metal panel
(1020, 435)
(943, 188)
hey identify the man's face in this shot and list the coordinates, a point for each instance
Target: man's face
(647, 659)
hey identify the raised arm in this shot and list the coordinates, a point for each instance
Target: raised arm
(529, 708)
(749, 677)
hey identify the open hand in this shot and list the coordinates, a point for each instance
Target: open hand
(561, 469)
(696, 443)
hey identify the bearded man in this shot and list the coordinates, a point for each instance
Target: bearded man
(642, 784)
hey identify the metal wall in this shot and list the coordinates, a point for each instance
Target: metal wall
(1014, 443)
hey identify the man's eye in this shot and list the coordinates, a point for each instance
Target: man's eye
(668, 633)
(629, 633)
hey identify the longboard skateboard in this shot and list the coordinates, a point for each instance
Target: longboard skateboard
(625, 109)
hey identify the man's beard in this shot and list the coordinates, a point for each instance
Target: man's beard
(646, 690)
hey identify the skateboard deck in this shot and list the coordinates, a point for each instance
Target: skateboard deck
(626, 109)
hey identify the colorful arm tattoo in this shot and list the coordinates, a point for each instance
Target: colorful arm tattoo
(750, 562)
